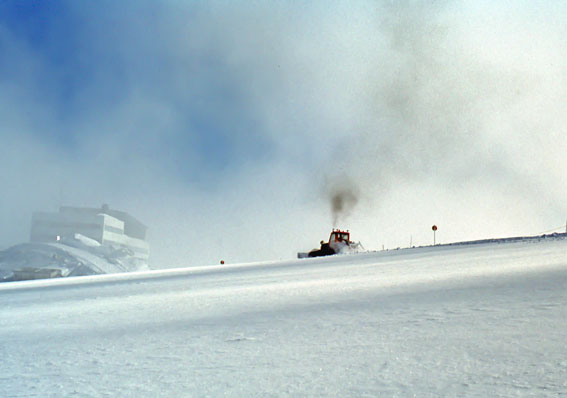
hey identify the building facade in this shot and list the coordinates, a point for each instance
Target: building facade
(107, 226)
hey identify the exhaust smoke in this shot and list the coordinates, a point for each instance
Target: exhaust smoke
(343, 196)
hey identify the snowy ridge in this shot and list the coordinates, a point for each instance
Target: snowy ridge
(75, 256)
(405, 276)
(535, 238)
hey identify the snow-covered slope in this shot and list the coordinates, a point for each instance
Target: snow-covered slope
(484, 320)
(75, 256)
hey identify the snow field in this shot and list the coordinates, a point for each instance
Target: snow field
(482, 320)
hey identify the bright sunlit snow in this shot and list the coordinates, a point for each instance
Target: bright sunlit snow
(484, 320)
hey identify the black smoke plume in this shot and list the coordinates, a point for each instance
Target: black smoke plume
(343, 195)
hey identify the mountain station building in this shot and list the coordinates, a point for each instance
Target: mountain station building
(107, 226)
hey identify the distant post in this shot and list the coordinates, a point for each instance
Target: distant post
(434, 228)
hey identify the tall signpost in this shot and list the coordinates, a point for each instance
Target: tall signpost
(434, 228)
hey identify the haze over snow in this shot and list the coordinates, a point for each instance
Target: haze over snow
(229, 128)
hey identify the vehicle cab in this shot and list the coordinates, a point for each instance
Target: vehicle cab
(339, 239)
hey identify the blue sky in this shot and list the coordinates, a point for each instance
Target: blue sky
(91, 59)
(207, 119)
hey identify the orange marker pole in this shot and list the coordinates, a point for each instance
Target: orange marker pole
(434, 228)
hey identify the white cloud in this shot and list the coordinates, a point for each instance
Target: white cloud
(449, 113)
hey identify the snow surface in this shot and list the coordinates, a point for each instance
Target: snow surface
(483, 320)
(77, 255)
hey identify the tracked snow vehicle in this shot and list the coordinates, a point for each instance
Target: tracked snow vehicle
(339, 241)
